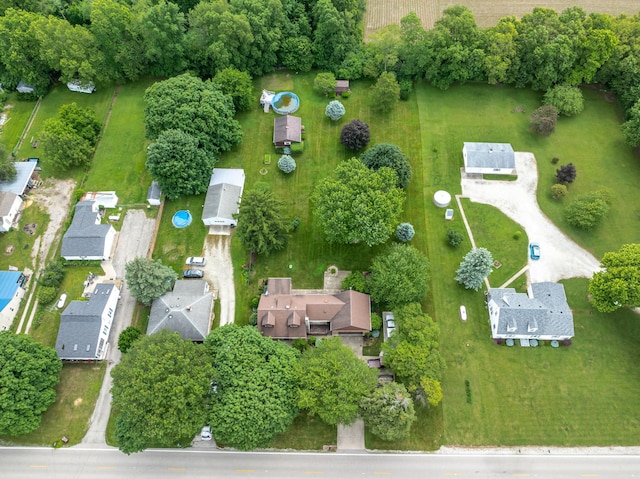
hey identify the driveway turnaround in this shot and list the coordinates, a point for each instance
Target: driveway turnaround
(561, 257)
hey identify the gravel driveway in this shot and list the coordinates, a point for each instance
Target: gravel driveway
(561, 257)
(219, 273)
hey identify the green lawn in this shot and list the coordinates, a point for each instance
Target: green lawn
(21, 241)
(119, 162)
(581, 395)
(56, 97)
(18, 113)
(76, 397)
(307, 433)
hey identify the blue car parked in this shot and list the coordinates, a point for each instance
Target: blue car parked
(534, 251)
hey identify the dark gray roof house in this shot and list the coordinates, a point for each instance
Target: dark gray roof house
(287, 129)
(85, 325)
(185, 310)
(543, 313)
(223, 197)
(86, 238)
(489, 158)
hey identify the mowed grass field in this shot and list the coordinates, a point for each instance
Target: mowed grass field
(487, 12)
(581, 395)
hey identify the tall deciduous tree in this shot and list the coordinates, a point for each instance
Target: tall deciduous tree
(413, 355)
(567, 99)
(474, 268)
(399, 275)
(385, 94)
(254, 394)
(586, 210)
(324, 83)
(28, 375)
(161, 389)
(199, 108)
(388, 412)
(358, 204)
(543, 119)
(390, 155)
(63, 147)
(148, 279)
(618, 284)
(355, 135)
(179, 165)
(262, 226)
(7, 169)
(333, 382)
(237, 85)
(631, 127)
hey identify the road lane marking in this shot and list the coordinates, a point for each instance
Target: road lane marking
(176, 468)
(519, 474)
(106, 467)
(380, 473)
(590, 475)
(245, 470)
(451, 473)
(35, 466)
(314, 472)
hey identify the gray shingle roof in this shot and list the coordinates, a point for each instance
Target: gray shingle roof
(546, 313)
(84, 237)
(287, 128)
(154, 192)
(185, 310)
(490, 155)
(223, 194)
(80, 325)
(24, 170)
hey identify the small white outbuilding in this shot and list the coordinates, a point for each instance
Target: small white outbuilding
(441, 199)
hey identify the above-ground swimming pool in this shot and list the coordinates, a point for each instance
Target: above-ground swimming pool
(182, 219)
(285, 102)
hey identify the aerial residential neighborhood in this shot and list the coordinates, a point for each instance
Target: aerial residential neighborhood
(319, 226)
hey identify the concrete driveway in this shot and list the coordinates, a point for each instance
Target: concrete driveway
(219, 273)
(561, 257)
(133, 241)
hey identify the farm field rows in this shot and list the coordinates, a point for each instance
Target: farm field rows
(487, 12)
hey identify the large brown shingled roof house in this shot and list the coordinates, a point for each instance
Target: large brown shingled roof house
(285, 313)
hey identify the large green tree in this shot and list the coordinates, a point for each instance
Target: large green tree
(28, 375)
(618, 284)
(631, 127)
(179, 165)
(390, 155)
(399, 275)
(254, 395)
(413, 355)
(385, 94)
(358, 204)
(237, 85)
(474, 268)
(333, 381)
(161, 389)
(262, 225)
(199, 108)
(148, 279)
(7, 169)
(388, 412)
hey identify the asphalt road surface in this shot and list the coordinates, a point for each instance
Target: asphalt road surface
(77, 463)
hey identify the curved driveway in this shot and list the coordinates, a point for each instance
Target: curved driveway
(561, 257)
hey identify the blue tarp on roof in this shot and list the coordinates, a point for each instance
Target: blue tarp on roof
(8, 286)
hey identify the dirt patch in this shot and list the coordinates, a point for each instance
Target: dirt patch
(55, 197)
(77, 402)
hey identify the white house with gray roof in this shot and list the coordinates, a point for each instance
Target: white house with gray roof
(85, 325)
(86, 238)
(543, 313)
(489, 158)
(223, 198)
(185, 310)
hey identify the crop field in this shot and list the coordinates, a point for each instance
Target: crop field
(487, 12)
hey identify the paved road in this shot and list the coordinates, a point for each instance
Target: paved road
(25, 463)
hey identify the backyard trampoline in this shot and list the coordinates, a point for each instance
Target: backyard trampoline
(182, 219)
(285, 102)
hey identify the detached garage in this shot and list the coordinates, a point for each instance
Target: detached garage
(489, 158)
(223, 199)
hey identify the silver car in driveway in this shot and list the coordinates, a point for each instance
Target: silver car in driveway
(196, 261)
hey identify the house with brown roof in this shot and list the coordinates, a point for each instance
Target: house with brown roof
(341, 87)
(285, 313)
(287, 129)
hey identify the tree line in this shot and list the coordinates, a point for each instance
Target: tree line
(122, 40)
